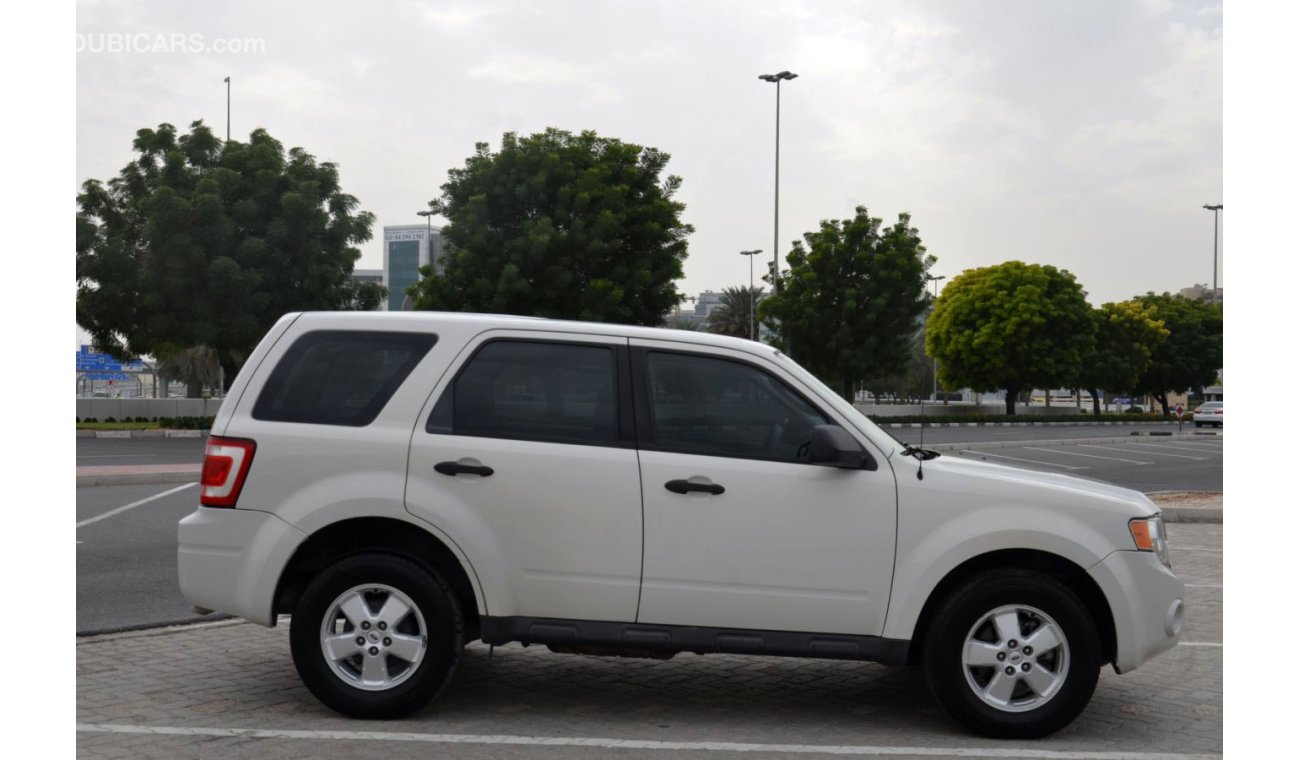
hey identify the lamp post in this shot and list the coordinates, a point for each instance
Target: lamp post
(1214, 292)
(753, 318)
(227, 109)
(935, 279)
(776, 206)
(428, 236)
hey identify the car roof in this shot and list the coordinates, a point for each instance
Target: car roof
(378, 319)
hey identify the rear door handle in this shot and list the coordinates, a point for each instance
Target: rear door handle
(456, 468)
(686, 486)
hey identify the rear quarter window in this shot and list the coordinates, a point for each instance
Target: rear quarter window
(340, 377)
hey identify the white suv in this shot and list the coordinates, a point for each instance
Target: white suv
(405, 483)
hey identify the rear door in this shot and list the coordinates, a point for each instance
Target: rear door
(526, 454)
(741, 531)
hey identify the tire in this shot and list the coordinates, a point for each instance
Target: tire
(1200, 424)
(407, 617)
(983, 697)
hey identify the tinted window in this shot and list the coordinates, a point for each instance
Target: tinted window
(531, 390)
(340, 377)
(710, 406)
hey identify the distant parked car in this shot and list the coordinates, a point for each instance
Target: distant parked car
(1209, 413)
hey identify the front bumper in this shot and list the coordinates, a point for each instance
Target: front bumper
(1146, 599)
(230, 560)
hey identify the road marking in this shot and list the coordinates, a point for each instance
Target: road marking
(1018, 459)
(1218, 446)
(671, 746)
(1139, 451)
(133, 505)
(1216, 644)
(1203, 585)
(1078, 454)
(1162, 446)
(1196, 549)
(112, 456)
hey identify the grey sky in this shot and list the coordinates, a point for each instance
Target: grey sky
(1083, 135)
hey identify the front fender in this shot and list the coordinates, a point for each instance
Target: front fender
(940, 547)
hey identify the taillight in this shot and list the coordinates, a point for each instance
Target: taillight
(225, 465)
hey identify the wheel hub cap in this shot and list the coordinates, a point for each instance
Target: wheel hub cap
(996, 665)
(374, 637)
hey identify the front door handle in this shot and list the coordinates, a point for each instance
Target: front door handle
(687, 486)
(456, 468)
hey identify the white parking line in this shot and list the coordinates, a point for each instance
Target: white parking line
(1217, 446)
(133, 505)
(1216, 644)
(1018, 459)
(1080, 454)
(1181, 447)
(1139, 451)
(1203, 585)
(645, 744)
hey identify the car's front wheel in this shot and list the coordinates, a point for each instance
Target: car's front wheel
(376, 636)
(1012, 653)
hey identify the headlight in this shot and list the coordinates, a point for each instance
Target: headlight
(1149, 536)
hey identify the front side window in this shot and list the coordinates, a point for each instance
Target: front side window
(340, 377)
(717, 407)
(559, 392)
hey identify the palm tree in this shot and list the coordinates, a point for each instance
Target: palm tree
(196, 366)
(736, 314)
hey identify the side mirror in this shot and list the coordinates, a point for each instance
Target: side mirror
(832, 445)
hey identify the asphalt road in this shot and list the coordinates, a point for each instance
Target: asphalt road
(126, 561)
(127, 451)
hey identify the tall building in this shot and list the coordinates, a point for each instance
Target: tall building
(407, 247)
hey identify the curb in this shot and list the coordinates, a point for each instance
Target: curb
(1192, 515)
(153, 433)
(137, 478)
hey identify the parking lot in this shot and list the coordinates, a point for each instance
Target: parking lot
(1143, 463)
(229, 690)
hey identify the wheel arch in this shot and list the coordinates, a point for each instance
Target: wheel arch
(1072, 575)
(346, 538)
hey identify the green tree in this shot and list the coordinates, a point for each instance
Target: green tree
(560, 225)
(735, 316)
(1193, 353)
(1127, 335)
(1013, 326)
(203, 242)
(849, 304)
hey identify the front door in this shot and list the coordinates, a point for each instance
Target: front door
(741, 531)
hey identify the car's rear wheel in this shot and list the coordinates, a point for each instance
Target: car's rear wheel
(1012, 653)
(376, 636)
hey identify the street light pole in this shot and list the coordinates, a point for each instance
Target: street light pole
(227, 109)
(1214, 292)
(935, 280)
(776, 206)
(428, 235)
(753, 318)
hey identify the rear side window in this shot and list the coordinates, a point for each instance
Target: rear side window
(557, 392)
(340, 377)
